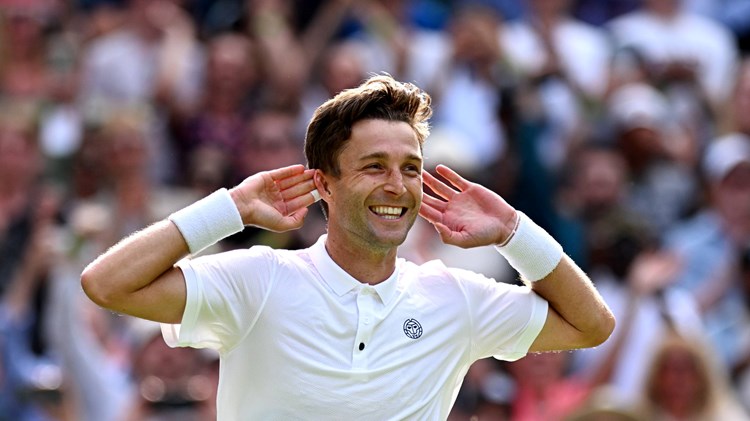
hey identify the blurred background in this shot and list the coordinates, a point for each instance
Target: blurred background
(620, 126)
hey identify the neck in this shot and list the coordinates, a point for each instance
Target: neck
(364, 263)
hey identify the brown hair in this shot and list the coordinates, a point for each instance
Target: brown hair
(380, 97)
(715, 399)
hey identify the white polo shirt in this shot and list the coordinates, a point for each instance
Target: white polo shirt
(299, 338)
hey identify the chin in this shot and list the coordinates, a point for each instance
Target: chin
(387, 241)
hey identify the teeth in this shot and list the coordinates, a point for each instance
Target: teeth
(388, 212)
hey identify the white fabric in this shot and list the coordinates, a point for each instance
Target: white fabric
(466, 114)
(289, 324)
(531, 250)
(208, 220)
(688, 37)
(584, 52)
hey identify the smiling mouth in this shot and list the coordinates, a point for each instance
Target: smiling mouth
(388, 212)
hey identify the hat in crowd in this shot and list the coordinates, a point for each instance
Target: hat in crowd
(638, 105)
(724, 154)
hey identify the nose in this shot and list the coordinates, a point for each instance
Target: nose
(395, 183)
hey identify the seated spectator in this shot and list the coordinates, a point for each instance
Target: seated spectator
(685, 382)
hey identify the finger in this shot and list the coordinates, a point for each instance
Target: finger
(299, 202)
(456, 180)
(441, 189)
(446, 235)
(294, 178)
(430, 213)
(285, 172)
(438, 204)
(293, 221)
(296, 190)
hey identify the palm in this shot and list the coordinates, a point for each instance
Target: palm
(465, 214)
(276, 200)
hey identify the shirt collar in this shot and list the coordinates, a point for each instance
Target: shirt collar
(340, 281)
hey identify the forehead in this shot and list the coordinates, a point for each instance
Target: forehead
(384, 137)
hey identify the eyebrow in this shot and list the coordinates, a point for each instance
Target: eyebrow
(383, 155)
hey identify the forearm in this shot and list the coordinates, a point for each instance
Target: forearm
(573, 297)
(138, 277)
(578, 316)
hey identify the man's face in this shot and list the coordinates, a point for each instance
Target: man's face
(377, 197)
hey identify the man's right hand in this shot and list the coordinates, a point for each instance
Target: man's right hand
(275, 200)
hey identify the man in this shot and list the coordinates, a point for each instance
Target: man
(345, 328)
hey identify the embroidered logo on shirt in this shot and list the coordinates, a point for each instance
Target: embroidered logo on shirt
(412, 328)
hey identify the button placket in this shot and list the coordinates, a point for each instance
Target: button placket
(366, 307)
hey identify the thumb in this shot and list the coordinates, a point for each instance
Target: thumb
(445, 233)
(295, 219)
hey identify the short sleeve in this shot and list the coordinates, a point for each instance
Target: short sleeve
(505, 318)
(225, 295)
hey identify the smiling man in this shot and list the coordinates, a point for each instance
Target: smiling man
(346, 328)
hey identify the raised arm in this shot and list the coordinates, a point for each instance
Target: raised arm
(467, 214)
(137, 276)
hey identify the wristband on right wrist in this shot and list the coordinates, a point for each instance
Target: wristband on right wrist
(531, 250)
(208, 220)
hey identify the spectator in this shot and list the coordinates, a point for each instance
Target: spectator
(545, 390)
(32, 380)
(214, 127)
(565, 62)
(486, 394)
(170, 385)
(659, 153)
(151, 61)
(341, 66)
(20, 172)
(24, 73)
(468, 99)
(709, 242)
(269, 141)
(132, 196)
(514, 101)
(620, 253)
(685, 382)
(681, 46)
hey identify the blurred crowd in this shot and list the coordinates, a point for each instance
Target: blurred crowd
(620, 126)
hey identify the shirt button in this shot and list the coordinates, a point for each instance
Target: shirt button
(361, 346)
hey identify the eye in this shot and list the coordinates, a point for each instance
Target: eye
(375, 166)
(413, 169)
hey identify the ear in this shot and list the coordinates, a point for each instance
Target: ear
(321, 183)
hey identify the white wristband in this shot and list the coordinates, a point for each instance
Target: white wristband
(208, 220)
(531, 250)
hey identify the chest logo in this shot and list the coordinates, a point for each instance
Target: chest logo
(412, 328)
